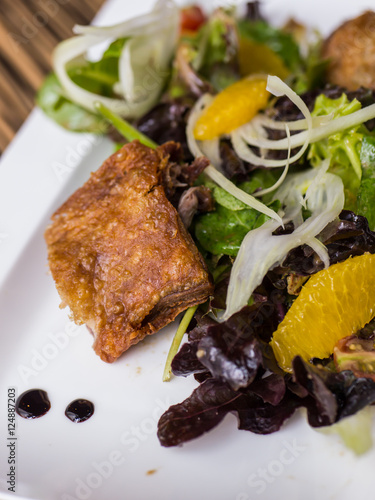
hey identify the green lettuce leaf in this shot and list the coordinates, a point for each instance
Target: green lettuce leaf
(366, 191)
(100, 76)
(312, 72)
(342, 148)
(221, 232)
(52, 101)
(216, 47)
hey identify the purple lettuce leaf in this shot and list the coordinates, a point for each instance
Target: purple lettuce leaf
(200, 412)
(271, 388)
(186, 362)
(347, 236)
(206, 407)
(332, 396)
(234, 351)
(260, 417)
(322, 406)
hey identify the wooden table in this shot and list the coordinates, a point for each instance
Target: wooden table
(29, 30)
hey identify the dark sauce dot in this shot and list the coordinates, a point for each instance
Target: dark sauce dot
(79, 410)
(33, 404)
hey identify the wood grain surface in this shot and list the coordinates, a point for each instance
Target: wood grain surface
(29, 30)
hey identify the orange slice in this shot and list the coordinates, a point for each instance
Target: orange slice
(258, 58)
(231, 108)
(333, 304)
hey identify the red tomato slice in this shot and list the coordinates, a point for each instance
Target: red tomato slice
(192, 18)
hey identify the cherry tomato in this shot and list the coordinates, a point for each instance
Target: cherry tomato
(192, 18)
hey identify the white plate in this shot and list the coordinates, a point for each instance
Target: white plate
(116, 455)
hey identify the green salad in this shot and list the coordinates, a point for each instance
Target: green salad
(284, 213)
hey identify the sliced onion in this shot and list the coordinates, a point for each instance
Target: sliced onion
(323, 169)
(320, 249)
(241, 195)
(144, 62)
(194, 145)
(66, 52)
(145, 24)
(244, 151)
(279, 88)
(214, 173)
(317, 133)
(313, 129)
(282, 177)
(241, 137)
(141, 85)
(211, 149)
(260, 250)
(267, 122)
(144, 65)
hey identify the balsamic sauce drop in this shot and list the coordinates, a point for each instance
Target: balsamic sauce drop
(79, 410)
(33, 403)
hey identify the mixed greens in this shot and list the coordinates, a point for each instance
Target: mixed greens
(284, 195)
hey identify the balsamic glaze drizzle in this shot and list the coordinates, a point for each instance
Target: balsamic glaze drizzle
(33, 403)
(79, 410)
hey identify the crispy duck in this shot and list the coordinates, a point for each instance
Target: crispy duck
(121, 258)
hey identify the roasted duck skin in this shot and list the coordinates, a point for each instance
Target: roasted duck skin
(121, 258)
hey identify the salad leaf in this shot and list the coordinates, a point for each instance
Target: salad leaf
(271, 388)
(312, 72)
(366, 192)
(345, 237)
(355, 354)
(343, 148)
(199, 413)
(260, 417)
(234, 351)
(231, 352)
(216, 50)
(71, 116)
(333, 396)
(222, 231)
(227, 200)
(208, 405)
(231, 164)
(355, 431)
(186, 362)
(167, 122)
(100, 76)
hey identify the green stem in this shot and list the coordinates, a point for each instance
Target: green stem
(353, 157)
(124, 128)
(181, 330)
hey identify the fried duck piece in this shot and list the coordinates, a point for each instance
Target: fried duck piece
(121, 258)
(351, 53)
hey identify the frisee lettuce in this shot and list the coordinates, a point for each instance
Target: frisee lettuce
(343, 148)
(366, 191)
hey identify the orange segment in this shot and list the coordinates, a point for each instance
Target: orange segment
(333, 304)
(258, 58)
(231, 108)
